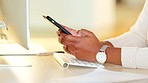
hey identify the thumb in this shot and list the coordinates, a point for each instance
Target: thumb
(84, 32)
(70, 30)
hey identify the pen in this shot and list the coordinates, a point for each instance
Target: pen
(49, 53)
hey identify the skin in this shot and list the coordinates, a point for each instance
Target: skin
(84, 45)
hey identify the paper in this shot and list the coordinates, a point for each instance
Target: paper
(104, 76)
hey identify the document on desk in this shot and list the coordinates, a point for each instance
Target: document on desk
(104, 76)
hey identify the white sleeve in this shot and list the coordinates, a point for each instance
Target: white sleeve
(133, 57)
(134, 44)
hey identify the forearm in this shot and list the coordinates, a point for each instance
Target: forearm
(113, 54)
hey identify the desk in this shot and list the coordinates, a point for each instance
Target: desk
(46, 68)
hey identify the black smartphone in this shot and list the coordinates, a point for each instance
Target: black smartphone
(57, 24)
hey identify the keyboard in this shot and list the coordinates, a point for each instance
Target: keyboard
(66, 60)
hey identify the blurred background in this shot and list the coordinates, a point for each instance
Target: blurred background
(106, 18)
(127, 12)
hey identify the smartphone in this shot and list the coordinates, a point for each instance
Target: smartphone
(57, 24)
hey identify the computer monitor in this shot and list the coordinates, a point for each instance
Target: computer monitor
(15, 14)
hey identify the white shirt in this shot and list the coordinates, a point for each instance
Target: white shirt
(134, 43)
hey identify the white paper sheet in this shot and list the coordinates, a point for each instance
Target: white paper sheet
(104, 76)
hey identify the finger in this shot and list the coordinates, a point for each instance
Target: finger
(66, 49)
(68, 43)
(70, 49)
(70, 38)
(72, 31)
(58, 32)
(60, 39)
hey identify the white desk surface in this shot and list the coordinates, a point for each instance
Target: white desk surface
(46, 68)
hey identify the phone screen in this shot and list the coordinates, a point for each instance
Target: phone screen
(57, 24)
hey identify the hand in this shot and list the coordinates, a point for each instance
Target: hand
(72, 31)
(83, 44)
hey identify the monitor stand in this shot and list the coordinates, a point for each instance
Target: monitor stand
(14, 49)
(10, 49)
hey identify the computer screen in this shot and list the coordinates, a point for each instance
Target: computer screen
(15, 14)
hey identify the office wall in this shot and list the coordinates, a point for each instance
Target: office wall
(127, 13)
(133, 3)
(95, 15)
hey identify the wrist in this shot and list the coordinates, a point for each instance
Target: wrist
(113, 55)
(101, 56)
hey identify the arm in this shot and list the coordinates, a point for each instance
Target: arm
(134, 43)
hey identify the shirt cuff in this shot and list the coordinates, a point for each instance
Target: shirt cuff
(128, 57)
